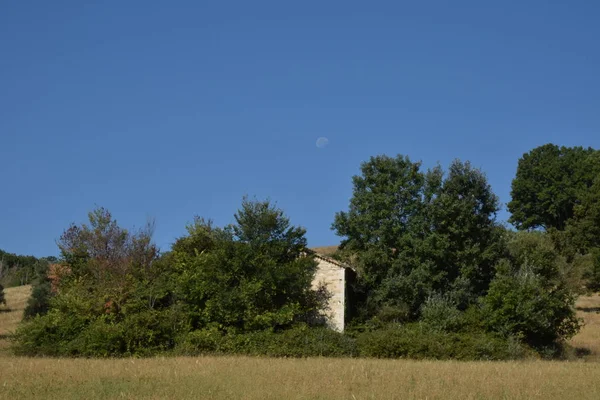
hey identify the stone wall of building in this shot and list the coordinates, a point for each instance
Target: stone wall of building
(333, 277)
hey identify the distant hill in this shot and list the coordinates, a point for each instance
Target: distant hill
(325, 250)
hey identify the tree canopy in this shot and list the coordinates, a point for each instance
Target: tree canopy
(549, 183)
(417, 233)
(250, 275)
(436, 274)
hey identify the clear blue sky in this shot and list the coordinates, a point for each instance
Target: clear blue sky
(168, 110)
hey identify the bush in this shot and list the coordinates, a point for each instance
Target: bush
(2, 299)
(48, 335)
(440, 313)
(521, 305)
(61, 334)
(531, 295)
(417, 341)
(300, 341)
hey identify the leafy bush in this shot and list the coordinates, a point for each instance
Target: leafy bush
(521, 305)
(249, 276)
(418, 341)
(530, 295)
(301, 341)
(440, 313)
(61, 334)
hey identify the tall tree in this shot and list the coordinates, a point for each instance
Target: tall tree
(102, 261)
(549, 182)
(248, 276)
(416, 233)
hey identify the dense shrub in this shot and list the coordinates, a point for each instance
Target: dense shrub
(418, 341)
(249, 276)
(520, 304)
(61, 334)
(440, 313)
(531, 295)
(300, 341)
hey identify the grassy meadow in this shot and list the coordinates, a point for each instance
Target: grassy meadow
(264, 378)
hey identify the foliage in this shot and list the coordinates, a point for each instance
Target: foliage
(414, 233)
(437, 276)
(440, 313)
(592, 275)
(529, 296)
(2, 299)
(39, 302)
(408, 341)
(110, 294)
(248, 276)
(17, 270)
(418, 341)
(299, 341)
(550, 181)
(113, 294)
(71, 334)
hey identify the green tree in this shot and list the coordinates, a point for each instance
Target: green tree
(413, 234)
(251, 275)
(39, 302)
(550, 181)
(16, 270)
(112, 295)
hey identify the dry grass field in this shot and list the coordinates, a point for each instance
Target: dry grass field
(12, 312)
(588, 339)
(263, 378)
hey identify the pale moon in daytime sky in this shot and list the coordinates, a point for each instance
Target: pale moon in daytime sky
(322, 142)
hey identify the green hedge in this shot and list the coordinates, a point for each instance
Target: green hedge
(418, 341)
(59, 334)
(152, 333)
(296, 342)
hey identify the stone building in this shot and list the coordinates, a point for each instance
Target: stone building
(335, 276)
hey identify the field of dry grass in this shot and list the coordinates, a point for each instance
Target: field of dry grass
(260, 378)
(12, 312)
(588, 339)
(264, 378)
(325, 250)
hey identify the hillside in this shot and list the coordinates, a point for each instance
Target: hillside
(12, 313)
(587, 341)
(325, 250)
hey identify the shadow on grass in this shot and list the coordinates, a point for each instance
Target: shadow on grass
(589, 309)
(5, 310)
(582, 352)
(4, 336)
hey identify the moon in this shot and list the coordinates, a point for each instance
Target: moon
(322, 142)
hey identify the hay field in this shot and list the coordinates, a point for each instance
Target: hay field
(12, 312)
(588, 339)
(263, 378)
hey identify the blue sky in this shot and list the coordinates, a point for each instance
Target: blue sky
(168, 110)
